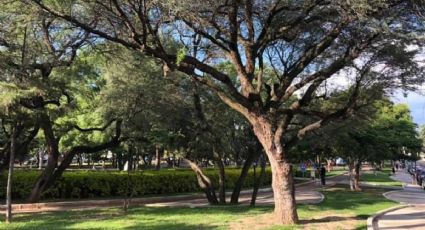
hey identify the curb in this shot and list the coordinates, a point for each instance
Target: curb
(385, 194)
(322, 198)
(372, 222)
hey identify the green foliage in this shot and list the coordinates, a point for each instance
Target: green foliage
(380, 131)
(181, 53)
(90, 184)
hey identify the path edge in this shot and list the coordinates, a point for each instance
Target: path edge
(372, 223)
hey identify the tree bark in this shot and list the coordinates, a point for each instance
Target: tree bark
(351, 174)
(221, 181)
(130, 158)
(258, 182)
(158, 158)
(204, 182)
(137, 162)
(357, 176)
(239, 183)
(330, 167)
(40, 159)
(285, 210)
(80, 160)
(14, 136)
(120, 163)
(53, 155)
(114, 161)
(284, 192)
(354, 174)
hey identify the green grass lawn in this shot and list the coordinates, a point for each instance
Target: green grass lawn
(335, 172)
(382, 178)
(339, 207)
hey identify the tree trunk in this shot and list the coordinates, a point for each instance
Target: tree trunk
(354, 174)
(53, 155)
(6, 159)
(330, 167)
(258, 182)
(43, 180)
(40, 159)
(137, 162)
(80, 160)
(130, 158)
(221, 181)
(351, 174)
(285, 210)
(158, 158)
(357, 176)
(239, 183)
(174, 160)
(114, 161)
(53, 171)
(120, 163)
(204, 182)
(284, 192)
(9, 176)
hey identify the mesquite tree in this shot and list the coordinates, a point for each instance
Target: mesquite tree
(38, 86)
(304, 42)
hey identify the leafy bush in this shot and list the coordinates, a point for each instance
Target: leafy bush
(98, 184)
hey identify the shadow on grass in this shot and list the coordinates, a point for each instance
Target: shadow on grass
(329, 219)
(159, 226)
(135, 218)
(340, 198)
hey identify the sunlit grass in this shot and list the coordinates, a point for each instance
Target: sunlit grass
(382, 178)
(338, 201)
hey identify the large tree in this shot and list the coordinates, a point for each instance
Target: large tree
(43, 82)
(305, 42)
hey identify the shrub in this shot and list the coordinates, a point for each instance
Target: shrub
(98, 184)
(101, 184)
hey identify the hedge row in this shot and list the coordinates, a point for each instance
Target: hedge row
(98, 184)
(101, 184)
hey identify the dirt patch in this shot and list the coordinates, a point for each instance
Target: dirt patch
(328, 221)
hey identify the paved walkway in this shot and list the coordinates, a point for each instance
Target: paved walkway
(306, 193)
(409, 217)
(404, 218)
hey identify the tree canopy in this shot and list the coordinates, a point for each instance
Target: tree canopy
(273, 62)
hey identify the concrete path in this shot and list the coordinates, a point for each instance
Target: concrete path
(412, 216)
(306, 193)
(404, 218)
(264, 199)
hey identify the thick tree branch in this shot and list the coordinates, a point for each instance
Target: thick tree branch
(94, 129)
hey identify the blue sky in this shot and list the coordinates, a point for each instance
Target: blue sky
(416, 102)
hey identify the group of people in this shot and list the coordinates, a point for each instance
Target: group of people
(321, 170)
